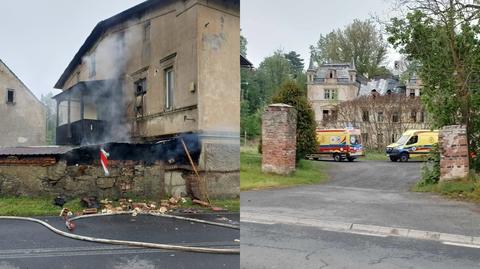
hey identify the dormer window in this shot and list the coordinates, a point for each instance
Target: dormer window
(332, 74)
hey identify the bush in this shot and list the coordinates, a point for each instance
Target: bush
(291, 94)
(431, 169)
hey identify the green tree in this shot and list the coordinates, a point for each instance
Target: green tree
(272, 72)
(243, 45)
(360, 41)
(296, 63)
(51, 116)
(291, 94)
(443, 37)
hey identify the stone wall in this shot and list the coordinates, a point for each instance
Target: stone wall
(279, 126)
(153, 181)
(453, 153)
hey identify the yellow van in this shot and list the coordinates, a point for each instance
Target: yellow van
(339, 143)
(412, 143)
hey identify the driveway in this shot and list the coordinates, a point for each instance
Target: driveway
(368, 192)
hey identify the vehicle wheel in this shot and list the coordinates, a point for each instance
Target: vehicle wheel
(350, 159)
(404, 157)
(337, 157)
(393, 159)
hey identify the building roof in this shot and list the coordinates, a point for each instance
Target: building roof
(244, 62)
(134, 12)
(21, 82)
(342, 70)
(40, 150)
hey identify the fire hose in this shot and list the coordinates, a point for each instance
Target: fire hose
(136, 243)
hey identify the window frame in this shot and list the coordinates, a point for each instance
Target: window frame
(169, 91)
(7, 101)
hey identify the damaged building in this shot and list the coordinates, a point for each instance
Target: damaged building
(23, 116)
(158, 87)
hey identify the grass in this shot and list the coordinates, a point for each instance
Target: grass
(468, 190)
(43, 206)
(25, 206)
(252, 178)
(375, 155)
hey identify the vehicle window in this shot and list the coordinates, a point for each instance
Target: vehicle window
(403, 139)
(354, 140)
(413, 140)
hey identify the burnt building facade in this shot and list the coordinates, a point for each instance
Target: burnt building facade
(161, 69)
(23, 116)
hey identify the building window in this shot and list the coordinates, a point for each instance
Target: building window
(169, 86)
(92, 66)
(422, 116)
(413, 116)
(332, 74)
(325, 114)
(380, 116)
(365, 138)
(412, 92)
(10, 96)
(146, 32)
(330, 94)
(395, 117)
(393, 140)
(140, 91)
(365, 116)
(380, 138)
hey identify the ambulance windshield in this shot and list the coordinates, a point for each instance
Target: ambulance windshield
(354, 140)
(402, 140)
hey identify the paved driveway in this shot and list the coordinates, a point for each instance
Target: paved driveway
(368, 192)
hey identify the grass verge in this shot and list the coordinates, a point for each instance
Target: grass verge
(252, 178)
(43, 206)
(375, 155)
(468, 190)
(27, 207)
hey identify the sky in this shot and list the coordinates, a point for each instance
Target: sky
(270, 25)
(40, 38)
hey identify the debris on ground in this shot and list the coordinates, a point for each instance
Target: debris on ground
(90, 202)
(175, 203)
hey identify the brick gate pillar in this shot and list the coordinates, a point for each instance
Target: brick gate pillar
(279, 138)
(453, 148)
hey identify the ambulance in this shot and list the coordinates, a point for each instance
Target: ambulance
(412, 144)
(341, 144)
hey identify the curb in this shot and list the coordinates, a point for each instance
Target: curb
(365, 229)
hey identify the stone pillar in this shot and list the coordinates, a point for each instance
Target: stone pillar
(453, 148)
(279, 127)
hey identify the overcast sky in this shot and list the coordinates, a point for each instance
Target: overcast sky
(39, 38)
(269, 25)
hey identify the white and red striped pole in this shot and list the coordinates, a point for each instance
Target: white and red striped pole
(104, 161)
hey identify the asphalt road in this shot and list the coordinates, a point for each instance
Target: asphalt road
(30, 245)
(364, 192)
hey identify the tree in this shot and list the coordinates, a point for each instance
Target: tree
(51, 116)
(243, 46)
(272, 72)
(360, 41)
(291, 94)
(443, 36)
(296, 63)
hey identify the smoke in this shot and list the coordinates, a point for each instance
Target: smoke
(110, 88)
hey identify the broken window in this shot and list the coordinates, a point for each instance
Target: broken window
(395, 117)
(365, 138)
(365, 116)
(380, 116)
(169, 85)
(412, 92)
(140, 91)
(413, 116)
